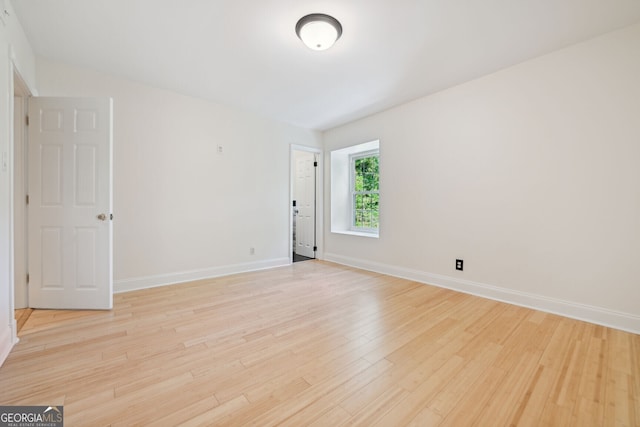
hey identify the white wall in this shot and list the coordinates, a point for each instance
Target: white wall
(531, 175)
(15, 52)
(183, 211)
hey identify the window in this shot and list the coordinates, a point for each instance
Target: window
(365, 194)
(355, 190)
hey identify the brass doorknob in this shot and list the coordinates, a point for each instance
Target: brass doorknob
(102, 217)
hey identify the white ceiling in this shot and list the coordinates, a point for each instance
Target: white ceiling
(245, 53)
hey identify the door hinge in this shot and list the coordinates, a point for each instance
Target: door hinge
(27, 120)
(27, 278)
(315, 249)
(27, 199)
(315, 164)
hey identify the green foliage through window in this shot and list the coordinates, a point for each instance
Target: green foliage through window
(366, 195)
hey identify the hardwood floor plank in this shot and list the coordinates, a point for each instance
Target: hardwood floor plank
(179, 415)
(373, 406)
(504, 406)
(291, 407)
(334, 417)
(321, 344)
(319, 407)
(213, 415)
(447, 399)
(266, 403)
(477, 398)
(407, 409)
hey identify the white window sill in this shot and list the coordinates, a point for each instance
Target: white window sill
(357, 233)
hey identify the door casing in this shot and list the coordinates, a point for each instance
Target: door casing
(21, 94)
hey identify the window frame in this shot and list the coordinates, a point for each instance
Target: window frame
(352, 191)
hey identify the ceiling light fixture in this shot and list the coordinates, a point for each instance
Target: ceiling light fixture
(318, 31)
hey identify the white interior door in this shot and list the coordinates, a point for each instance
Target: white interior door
(304, 195)
(70, 202)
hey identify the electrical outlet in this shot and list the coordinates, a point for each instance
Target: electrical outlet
(459, 264)
(252, 251)
(220, 149)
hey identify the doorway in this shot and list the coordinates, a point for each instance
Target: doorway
(62, 243)
(304, 203)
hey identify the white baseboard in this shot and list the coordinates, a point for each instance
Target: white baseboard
(189, 276)
(7, 342)
(600, 316)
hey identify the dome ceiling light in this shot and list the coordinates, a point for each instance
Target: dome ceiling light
(318, 31)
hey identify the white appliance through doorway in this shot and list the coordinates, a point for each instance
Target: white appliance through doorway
(304, 166)
(70, 257)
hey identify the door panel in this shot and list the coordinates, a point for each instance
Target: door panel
(51, 265)
(85, 252)
(70, 247)
(51, 175)
(86, 171)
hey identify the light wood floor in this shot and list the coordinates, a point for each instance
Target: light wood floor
(21, 316)
(324, 345)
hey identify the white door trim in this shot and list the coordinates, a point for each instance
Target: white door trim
(19, 198)
(21, 94)
(319, 198)
(8, 333)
